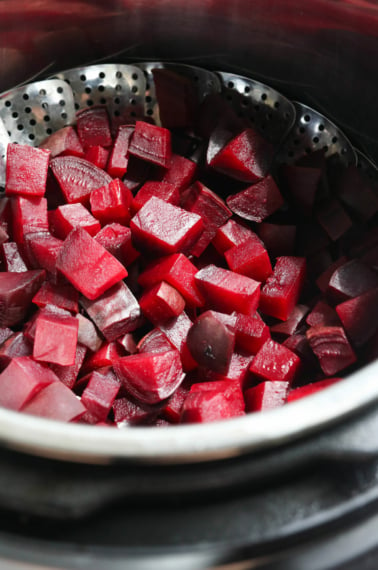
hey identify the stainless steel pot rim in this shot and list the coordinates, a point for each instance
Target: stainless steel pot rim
(191, 443)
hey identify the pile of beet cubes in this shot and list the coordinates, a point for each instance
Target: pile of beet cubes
(157, 275)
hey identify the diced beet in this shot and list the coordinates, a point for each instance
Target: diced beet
(93, 128)
(351, 280)
(62, 295)
(154, 341)
(118, 160)
(30, 326)
(228, 291)
(331, 346)
(322, 314)
(77, 177)
(180, 172)
(5, 333)
(299, 344)
(56, 339)
(231, 390)
(99, 395)
(164, 228)
(56, 402)
(29, 216)
(69, 216)
(257, 202)
(44, 250)
(292, 323)
(68, 374)
(218, 139)
(302, 183)
(238, 370)
(163, 190)
(176, 330)
(150, 377)
(16, 293)
(208, 406)
(177, 98)
(281, 291)
(151, 143)
(275, 362)
(111, 203)
(87, 334)
(12, 257)
(26, 170)
(309, 389)
(278, 239)
(334, 219)
(106, 355)
(96, 273)
(22, 379)
(250, 258)
(247, 157)
(232, 233)
(161, 303)
(131, 413)
(359, 317)
(177, 270)
(250, 333)
(355, 191)
(117, 240)
(323, 280)
(211, 343)
(97, 155)
(213, 211)
(115, 312)
(63, 142)
(266, 396)
(127, 341)
(14, 346)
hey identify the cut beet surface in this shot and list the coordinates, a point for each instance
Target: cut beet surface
(212, 402)
(118, 159)
(111, 203)
(151, 143)
(56, 339)
(161, 303)
(100, 393)
(56, 402)
(16, 293)
(26, 170)
(359, 317)
(250, 258)
(350, 280)
(66, 218)
(257, 202)
(93, 127)
(281, 292)
(117, 240)
(275, 362)
(97, 155)
(266, 396)
(77, 177)
(231, 234)
(331, 346)
(163, 190)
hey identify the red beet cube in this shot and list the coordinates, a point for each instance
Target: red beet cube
(29, 216)
(172, 410)
(154, 341)
(250, 258)
(178, 271)
(266, 396)
(106, 355)
(151, 143)
(211, 343)
(282, 289)
(14, 346)
(63, 142)
(116, 239)
(77, 177)
(213, 403)
(115, 312)
(309, 389)
(275, 362)
(257, 202)
(131, 413)
(163, 190)
(56, 402)
(93, 127)
(16, 293)
(21, 380)
(250, 333)
(97, 155)
(238, 370)
(176, 330)
(99, 395)
(247, 157)
(150, 377)
(56, 339)
(228, 291)
(99, 272)
(278, 239)
(118, 160)
(12, 257)
(68, 374)
(161, 303)
(351, 280)
(180, 172)
(111, 203)
(69, 216)
(44, 250)
(331, 346)
(322, 315)
(229, 235)
(164, 228)
(291, 325)
(62, 295)
(359, 317)
(26, 171)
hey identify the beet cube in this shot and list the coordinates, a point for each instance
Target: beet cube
(44, 250)
(164, 228)
(322, 315)
(231, 391)
(69, 216)
(68, 374)
(275, 362)
(106, 355)
(161, 303)
(77, 177)
(282, 289)
(12, 257)
(331, 346)
(150, 377)
(293, 322)
(351, 280)
(247, 157)
(154, 341)
(151, 143)
(56, 339)
(16, 293)
(99, 395)
(309, 389)
(118, 160)
(359, 317)
(130, 413)
(56, 402)
(228, 291)
(163, 190)
(127, 341)
(97, 155)
(62, 295)
(21, 380)
(94, 274)
(209, 406)
(176, 331)
(26, 170)
(63, 142)
(323, 279)
(117, 240)
(29, 216)
(257, 202)
(180, 172)
(14, 346)
(237, 371)
(266, 396)
(230, 234)
(93, 128)
(115, 312)
(111, 203)
(250, 258)
(250, 333)
(211, 343)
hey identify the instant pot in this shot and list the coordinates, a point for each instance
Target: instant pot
(293, 488)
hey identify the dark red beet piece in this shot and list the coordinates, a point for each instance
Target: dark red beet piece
(281, 292)
(111, 203)
(180, 172)
(247, 157)
(69, 216)
(323, 279)
(250, 258)
(177, 98)
(68, 374)
(99, 394)
(257, 202)
(176, 330)
(148, 377)
(351, 280)
(163, 190)
(77, 177)
(266, 396)
(44, 250)
(154, 341)
(275, 362)
(161, 303)
(116, 239)
(302, 183)
(26, 170)
(62, 295)
(55, 339)
(97, 155)
(12, 257)
(172, 410)
(322, 314)
(250, 333)
(14, 346)
(309, 389)
(278, 239)
(16, 293)
(21, 380)
(99, 272)
(56, 402)
(211, 343)
(93, 128)
(230, 234)
(118, 160)
(291, 325)
(164, 228)
(130, 413)
(355, 191)
(151, 143)
(331, 346)
(115, 312)
(29, 216)
(63, 142)
(359, 317)
(334, 219)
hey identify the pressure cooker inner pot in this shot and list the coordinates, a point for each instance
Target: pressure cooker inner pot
(321, 56)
